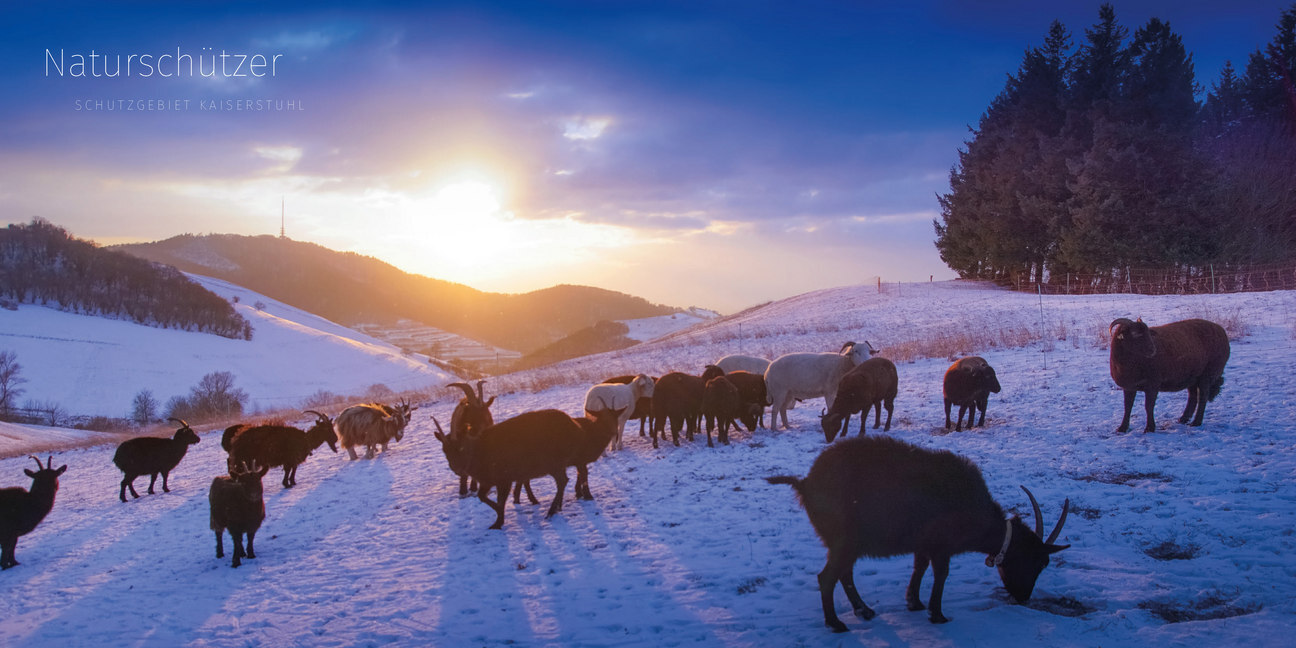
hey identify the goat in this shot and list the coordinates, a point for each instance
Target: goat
(720, 405)
(473, 413)
(150, 456)
(677, 399)
(968, 384)
(642, 410)
(237, 505)
(524, 447)
(1190, 354)
(232, 431)
(281, 445)
(880, 497)
(871, 384)
(22, 510)
(614, 396)
(371, 425)
(809, 375)
(750, 364)
(751, 391)
(597, 431)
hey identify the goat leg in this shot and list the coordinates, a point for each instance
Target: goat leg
(940, 570)
(912, 599)
(501, 490)
(530, 495)
(848, 585)
(250, 552)
(220, 543)
(165, 474)
(832, 573)
(1129, 407)
(151, 482)
(560, 480)
(1149, 404)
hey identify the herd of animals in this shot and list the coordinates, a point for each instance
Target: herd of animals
(866, 496)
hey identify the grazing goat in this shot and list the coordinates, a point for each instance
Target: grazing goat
(21, 510)
(614, 396)
(809, 375)
(677, 399)
(371, 425)
(871, 384)
(150, 456)
(750, 364)
(642, 411)
(1190, 354)
(751, 391)
(237, 505)
(968, 384)
(281, 445)
(720, 405)
(880, 497)
(529, 445)
(473, 413)
(596, 433)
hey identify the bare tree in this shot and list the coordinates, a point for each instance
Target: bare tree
(9, 380)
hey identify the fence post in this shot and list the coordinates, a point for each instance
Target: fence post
(1212, 267)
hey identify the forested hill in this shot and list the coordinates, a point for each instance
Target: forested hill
(40, 263)
(349, 288)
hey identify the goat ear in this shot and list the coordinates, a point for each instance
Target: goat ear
(29, 473)
(490, 402)
(60, 471)
(1052, 549)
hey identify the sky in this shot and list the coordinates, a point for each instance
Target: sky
(717, 154)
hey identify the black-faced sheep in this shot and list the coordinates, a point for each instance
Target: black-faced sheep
(527, 446)
(281, 445)
(751, 391)
(150, 456)
(968, 384)
(1190, 354)
(643, 407)
(473, 413)
(871, 384)
(677, 398)
(721, 404)
(237, 505)
(879, 497)
(22, 510)
(597, 431)
(616, 396)
(809, 375)
(371, 425)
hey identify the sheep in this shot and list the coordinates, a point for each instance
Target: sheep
(750, 364)
(473, 413)
(237, 505)
(597, 431)
(281, 445)
(613, 396)
(809, 375)
(642, 410)
(968, 384)
(150, 456)
(881, 497)
(871, 384)
(22, 510)
(524, 447)
(720, 405)
(677, 399)
(751, 391)
(1189, 354)
(371, 425)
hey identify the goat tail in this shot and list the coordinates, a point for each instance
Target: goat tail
(794, 482)
(1215, 387)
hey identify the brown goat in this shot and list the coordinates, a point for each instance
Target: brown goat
(871, 384)
(879, 497)
(1190, 354)
(597, 431)
(473, 413)
(280, 445)
(677, 398)
(151, 456)
(751, 391)
(237, 505)
(721, 404)
(968, 384)
(21, 511)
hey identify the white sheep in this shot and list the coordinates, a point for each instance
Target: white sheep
(613, 396)
(750, 364)
(809, 375)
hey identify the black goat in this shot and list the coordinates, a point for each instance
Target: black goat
(1190, 354)
(596, 432)
(968, 384)
(22, 510)
(529, 445)
(473, 413)
(879, 497)
(150, 456)
(721, 404)
(751, 391)
(643, 407)
(237, 505)
(677, 398)
(871, 384)
(281, 445)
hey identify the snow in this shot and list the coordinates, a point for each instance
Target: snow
(651, 328)
(690, 546)
(96, 366)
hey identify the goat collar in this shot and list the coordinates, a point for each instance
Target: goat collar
(996, 560)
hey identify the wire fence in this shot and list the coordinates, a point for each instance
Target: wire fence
(1206, 280)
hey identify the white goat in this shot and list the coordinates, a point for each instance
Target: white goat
(750, 364)
(370, 425)
(613, 396)
(809, 375)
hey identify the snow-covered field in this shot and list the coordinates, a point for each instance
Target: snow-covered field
(1186, 536)
(95, 366)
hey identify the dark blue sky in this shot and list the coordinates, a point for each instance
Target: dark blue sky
(649, 138)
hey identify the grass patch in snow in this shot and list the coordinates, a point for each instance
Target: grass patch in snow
(1171, 550)
(1061, 606)
(750, 585)
(1213, 606)
(1124, 478)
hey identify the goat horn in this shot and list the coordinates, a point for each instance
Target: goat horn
(1066, 506)
(1119, 320)
(322, 417)
(823, 413)
(437, 424)
(467, 390)
(846, 347)
(480, 396)
(1039, 518)
(37, 460)
(180, 421)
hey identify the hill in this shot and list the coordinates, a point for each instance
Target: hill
(354, 289)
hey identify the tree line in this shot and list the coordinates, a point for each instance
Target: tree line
(1100, 159)
(40, 263)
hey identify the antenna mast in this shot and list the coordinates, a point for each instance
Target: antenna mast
(281, 217)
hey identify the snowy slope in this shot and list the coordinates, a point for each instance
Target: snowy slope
(651, 328)
(689, 546)
(92, 365)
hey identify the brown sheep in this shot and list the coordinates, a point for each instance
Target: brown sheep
(1190, 354)
(871, 384)
(968, 384)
